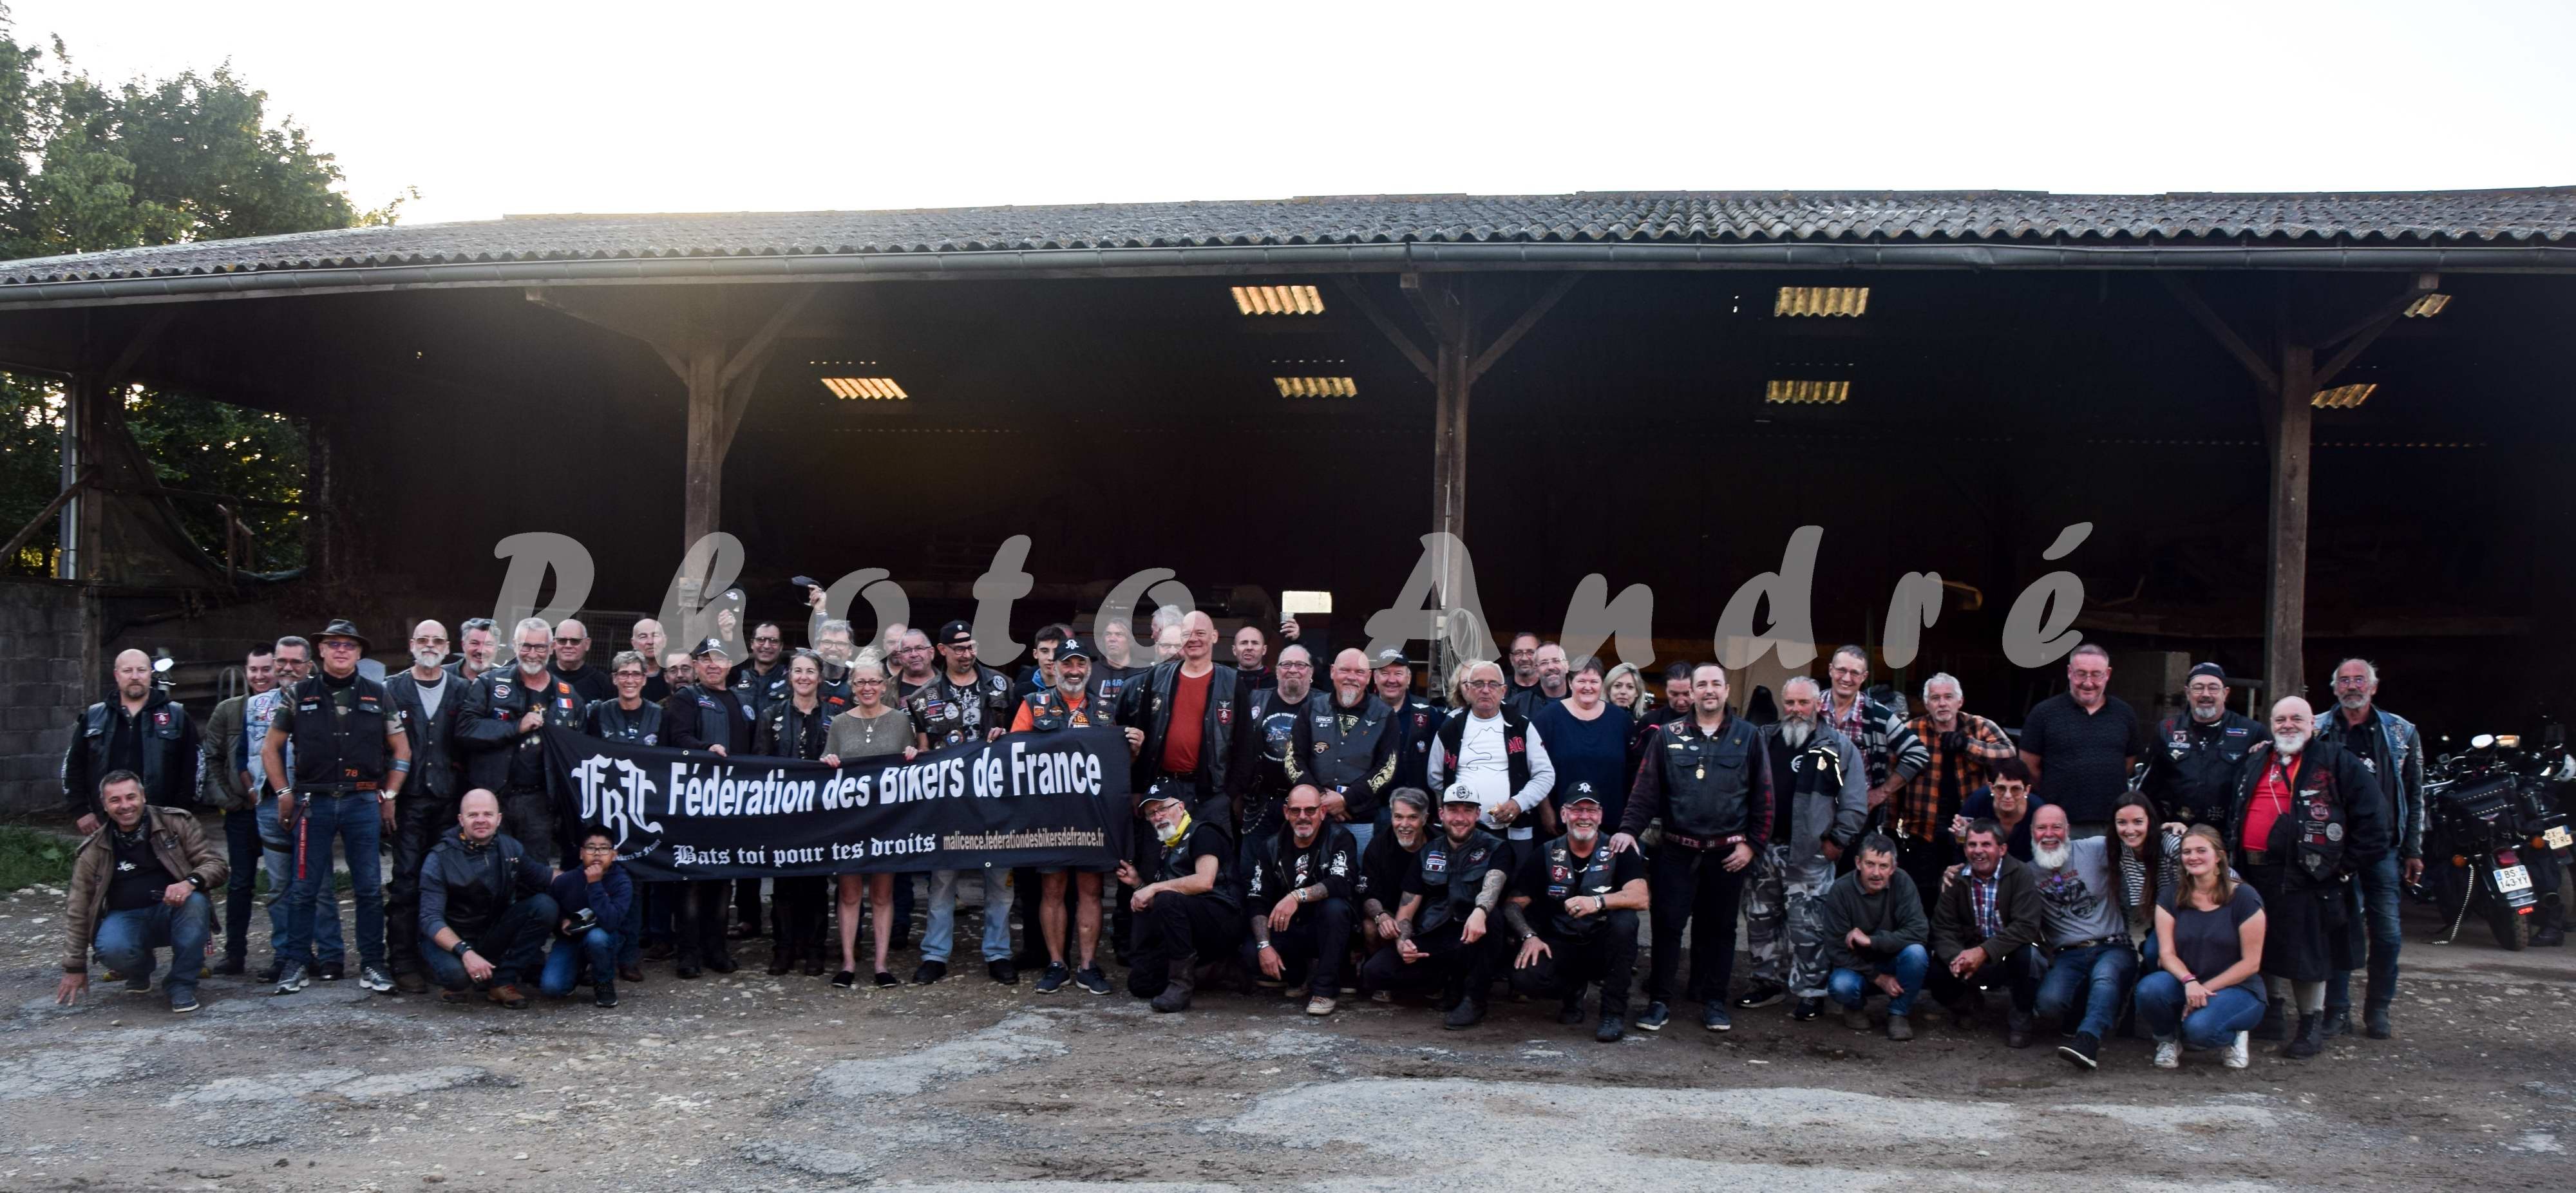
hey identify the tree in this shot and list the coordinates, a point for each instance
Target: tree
(89, 167)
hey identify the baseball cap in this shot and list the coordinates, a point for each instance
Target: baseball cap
(1074, 648)
(955, 632)
(1582, 794)
(1457, 793)
(1390, 657)
(2210, 669)
(710, 646)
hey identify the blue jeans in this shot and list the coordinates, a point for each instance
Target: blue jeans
(126, 939)
(2375, 889)
(2100, 975)
(1361, 831)
(355, 822)
(2229, 1011)
(937, 938)
(277, 856)
(1848, 987)
(563, 965)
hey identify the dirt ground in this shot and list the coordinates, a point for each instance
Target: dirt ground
(749, 1081)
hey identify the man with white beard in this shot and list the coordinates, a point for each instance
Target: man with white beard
(2091, 962)
(1574, 909)
(2192, 761)
(1822, 790)
(428, 700)
(2387, 746)
(2305, 817)
(500, 739)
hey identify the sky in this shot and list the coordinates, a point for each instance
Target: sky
(540, 106)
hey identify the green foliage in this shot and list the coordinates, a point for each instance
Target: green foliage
(29, 858)
(85, 167)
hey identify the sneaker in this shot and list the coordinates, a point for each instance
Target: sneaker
(2239, 1053)
(2168, 1054)
(181, 1004)
(1807, 1009)
(1054, 977)
(1715, 1018)
(1468, 1013)
(1004, 972)
(1856, 1018)
(138, 983)
(1656, 1016)
(375, 979)
(1092, 980)
(2084, 1052)
(604, 996)
(1900, 1028)
(1611, 1029)
(331, 971)
(1322, 1004)
(232, 967)
(291, 978)
(1382, 996)
(1762, 994)
(930, 971)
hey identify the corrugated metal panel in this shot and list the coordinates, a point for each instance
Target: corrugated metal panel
(2541, 216)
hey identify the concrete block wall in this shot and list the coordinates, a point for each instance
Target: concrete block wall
(40, 690)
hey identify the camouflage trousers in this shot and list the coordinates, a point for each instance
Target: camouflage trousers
(1784, 920)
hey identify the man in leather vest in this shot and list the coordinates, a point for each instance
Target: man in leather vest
(2306, 816)
(142, 730)
(1707, 777)
(2193, 759)
(484, 911)
(1495, 753)
(500, 739)
(1823, 787)
(1271, 713)
(427, 698)
(1181, 716)
(1441, 932)
(966, 702)
(1046, 907)
(1189, 911)
(2387, 746)
(352, 760)
(706, 715)
(1574, 907)
(629, 717)
(1298, 882)
(1411, 718)
(1346, 745)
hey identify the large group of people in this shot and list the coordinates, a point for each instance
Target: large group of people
(1521, 823)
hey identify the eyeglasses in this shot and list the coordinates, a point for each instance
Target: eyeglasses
(2351, 681)
(599, 849)
(757, 640)
(538, 646)
(1296, 666)
(1302, 813)
(338, 644)
(570, 641)
(1847, 673)
(1484, 683)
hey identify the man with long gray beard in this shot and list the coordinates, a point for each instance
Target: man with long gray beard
(1822, 785)
(2091, 962)
(2387, 746)
(428, 699)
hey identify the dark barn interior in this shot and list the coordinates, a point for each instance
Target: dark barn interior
(1127, 416)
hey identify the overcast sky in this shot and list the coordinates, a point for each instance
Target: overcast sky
(538, 106)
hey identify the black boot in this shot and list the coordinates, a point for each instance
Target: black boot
(1176, 993)
(2275, 1024)
(2374, 1020)
(2310, 1041)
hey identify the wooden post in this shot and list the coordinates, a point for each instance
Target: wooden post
(702, 487)
(2286, 545)
(1449, 488)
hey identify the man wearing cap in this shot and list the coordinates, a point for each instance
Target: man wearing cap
(706, 715)
(427, 699)
(1708, 777)
(2193, 759)
(1298, 881)
(1345, 745)
(965, 702)
(1188, 911)
(501, 740)
(1441, 923)
(1067, 704)
(1410, 719)
(1574, 911)
(352, 759)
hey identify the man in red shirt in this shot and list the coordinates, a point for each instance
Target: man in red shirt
(1182, 719)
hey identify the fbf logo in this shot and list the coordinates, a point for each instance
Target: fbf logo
(615, 795)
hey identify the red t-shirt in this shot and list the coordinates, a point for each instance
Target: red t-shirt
(1189, 717)
(2274, 795)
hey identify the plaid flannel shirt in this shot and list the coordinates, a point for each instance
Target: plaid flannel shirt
(1886, 742)
(1983, 744)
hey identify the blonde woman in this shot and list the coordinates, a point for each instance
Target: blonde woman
(2206, 993)
(871, 728)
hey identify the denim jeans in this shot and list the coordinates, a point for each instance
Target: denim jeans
(2229, 1011)
(277, 856)
(1361, 832)
(2375, 888)
(563, 965)
(126, 939)
(355, 822)
(241, 887)
(1848, 987)
(2099, 975)
(936, 939)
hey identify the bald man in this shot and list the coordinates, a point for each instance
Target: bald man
(572, 663)
(2306, 817)
(1347, 746)
(140, 729)
(1181, 719)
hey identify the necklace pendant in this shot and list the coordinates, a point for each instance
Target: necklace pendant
(1701, 773)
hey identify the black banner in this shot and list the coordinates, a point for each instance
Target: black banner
(1029, 799)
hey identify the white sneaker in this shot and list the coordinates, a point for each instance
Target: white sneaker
(291, 979)
(2236, 1052)
(2169, 1054)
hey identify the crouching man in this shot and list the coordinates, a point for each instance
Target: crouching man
(1574, 906)
(139, 884)
(484, 910)
(1297, 885)
(1189, 910)
(1440, 926)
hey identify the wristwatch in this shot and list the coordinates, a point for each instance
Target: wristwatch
(462, 947)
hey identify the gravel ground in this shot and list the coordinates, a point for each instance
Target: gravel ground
(750, 1081)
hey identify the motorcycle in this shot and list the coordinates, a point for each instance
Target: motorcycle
(2495, 819)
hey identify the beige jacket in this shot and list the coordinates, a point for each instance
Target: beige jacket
(176, 840)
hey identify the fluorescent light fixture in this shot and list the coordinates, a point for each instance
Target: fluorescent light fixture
(1278, 300)
(1807, 393)
(864, 388)
(2427, 306)
(1821, 300)
(2343, 397)
(1296, 601)
(1316, 387)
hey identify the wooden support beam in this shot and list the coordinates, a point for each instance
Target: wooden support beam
(121, 370)
(1386, 326)
(2365, 332)
(2217, 327)
(28, 531)
(1450, 386)
(2286, 544)
(1529, 318)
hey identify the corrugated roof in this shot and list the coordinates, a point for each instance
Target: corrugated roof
(2531, 217)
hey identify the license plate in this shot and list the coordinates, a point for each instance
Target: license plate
(2513, 878)
(2558, 838)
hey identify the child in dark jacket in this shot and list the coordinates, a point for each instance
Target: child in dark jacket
(600, 887)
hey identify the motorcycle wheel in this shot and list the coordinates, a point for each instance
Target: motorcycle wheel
(2512, 931)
